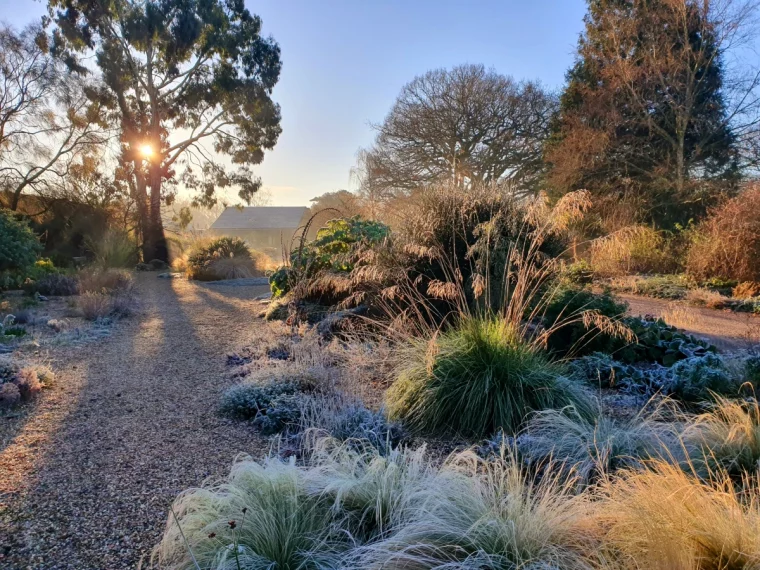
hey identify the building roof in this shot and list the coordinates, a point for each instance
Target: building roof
(260, 218)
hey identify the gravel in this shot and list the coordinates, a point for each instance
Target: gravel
(88, 473)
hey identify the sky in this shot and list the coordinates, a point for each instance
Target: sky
(345, 61)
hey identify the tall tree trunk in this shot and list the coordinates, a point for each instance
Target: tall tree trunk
(155, 239)
(141, 200)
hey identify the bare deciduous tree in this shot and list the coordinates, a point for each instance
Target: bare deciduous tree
(466, 125)
(47, 124)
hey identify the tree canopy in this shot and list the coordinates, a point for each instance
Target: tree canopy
(645, 120)
(465, 125)
(48, 127)
(188, 81)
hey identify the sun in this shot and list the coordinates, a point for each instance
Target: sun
(146, 150)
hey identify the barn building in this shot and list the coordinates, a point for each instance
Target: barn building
(265, 228)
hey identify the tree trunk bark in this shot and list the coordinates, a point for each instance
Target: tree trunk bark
(141, 199)
(155, 239)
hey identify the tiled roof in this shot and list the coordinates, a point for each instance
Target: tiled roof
(260, 218)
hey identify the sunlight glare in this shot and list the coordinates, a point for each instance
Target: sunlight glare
(146, 150)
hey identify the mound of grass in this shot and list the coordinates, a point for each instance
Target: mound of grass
(664, 518)
(589, 450)
(727, 439)
(260, 517)
(116, 249)
(487, 514)
(477, 378)
(222, 258)
(374, 492)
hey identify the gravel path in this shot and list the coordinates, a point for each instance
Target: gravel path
(87, 476)
(726, 329)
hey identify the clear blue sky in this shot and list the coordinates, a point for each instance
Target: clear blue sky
(344, 62)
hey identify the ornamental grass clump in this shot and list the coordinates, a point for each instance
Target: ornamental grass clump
(476, 378)
(590, 450)
(726, 438)
(665, 518)
(472, 353)
(373, 494)
(261, 517)
(491, 514)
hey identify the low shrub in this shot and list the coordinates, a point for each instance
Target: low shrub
(633, 249)
(222, 258)
(478, 377)
(94, 306)
(123, 304)
(347, 420)
(703, 297)
(727, 243)
(56, 284)
(694, 379)
(247, 401)
(21, 384)
(746, 290)
(672, 287)
(275, 399)
(578, 273)
(752, 369)
(656, 341)
(105, 281)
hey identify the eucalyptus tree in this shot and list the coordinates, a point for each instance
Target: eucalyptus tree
(190, 83)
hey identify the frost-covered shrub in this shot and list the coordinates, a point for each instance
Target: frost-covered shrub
(57, 284)
(19, 383)
(10, 395)
(223, 258)
(281, 413)
(247, 401)
(345, 419)
(752, 369)
(692, 380)
(94, 306)
(28, 383)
